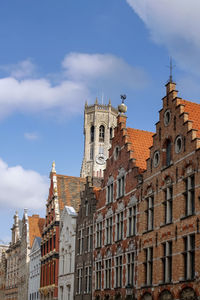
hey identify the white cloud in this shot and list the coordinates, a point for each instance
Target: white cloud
(174, 24)
(103, 69)
(81, 76)
(20, 70)
(21, 188)
(31, 136)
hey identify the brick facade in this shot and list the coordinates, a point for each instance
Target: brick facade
(146, 241)
(64, 190)
(84, 240)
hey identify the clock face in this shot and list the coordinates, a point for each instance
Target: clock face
(100, 159)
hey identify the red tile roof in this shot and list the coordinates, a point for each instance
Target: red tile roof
(140, 141)
(193, 110)
(36, 225)
(69, 189)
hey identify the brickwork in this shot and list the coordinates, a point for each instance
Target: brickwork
(84, 240)
(162, 198)
(173, 218)
(64, 190)
(116, 214)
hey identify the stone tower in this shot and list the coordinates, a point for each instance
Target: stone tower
(99, 123)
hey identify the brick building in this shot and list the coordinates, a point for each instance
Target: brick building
(169, 208)
(17, 255)
(63, 191)
(116, 216)
(84, 240)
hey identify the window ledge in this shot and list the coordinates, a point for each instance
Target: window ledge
(147, 231)
(187, 280)
(147, 286)
(187, 216)
(166, 224)
(166, 167)
(165, 283)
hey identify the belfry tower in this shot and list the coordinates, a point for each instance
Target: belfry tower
(99, 123)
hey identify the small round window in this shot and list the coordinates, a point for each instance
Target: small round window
(167, 117)
(156, 158)
(178, 144)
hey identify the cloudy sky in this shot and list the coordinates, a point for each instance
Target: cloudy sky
(55, 55)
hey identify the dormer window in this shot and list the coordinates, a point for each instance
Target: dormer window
(101, 133)
(92, 134)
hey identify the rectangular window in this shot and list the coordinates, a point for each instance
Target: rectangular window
(168, 205)
(120, 184)
(98, 275)
(87, 239)
(118, 271)
(108, 266)
(167, 262)
(148, 265)
(86, 208)
(99, 234)
(110, 193)
(109, 231)
(150, 212)
(130, 268)
(189, 257)
(132, 221)
(189, 195)
(79, 280)
(88, 280)
(119, 224)
(90, 238)
(80, 241)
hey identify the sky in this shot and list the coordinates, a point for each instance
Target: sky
(55, 55)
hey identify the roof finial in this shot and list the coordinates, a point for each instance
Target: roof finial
(171, 66)
(122, 108)
(109, 102)
(86, 103)
(53, 169)
(96, 102)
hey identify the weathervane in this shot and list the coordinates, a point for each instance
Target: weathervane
(123, 97)
(171, 69)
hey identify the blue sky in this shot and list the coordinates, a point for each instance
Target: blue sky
(56, 54)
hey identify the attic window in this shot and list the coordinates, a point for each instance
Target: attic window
(178, 144)
(156, 158)
(167, 117)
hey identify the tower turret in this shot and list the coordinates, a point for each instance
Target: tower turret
(99, 123)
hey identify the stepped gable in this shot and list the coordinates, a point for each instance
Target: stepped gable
(140, 142)
(193, 110)
(69, 189)
(36, 225)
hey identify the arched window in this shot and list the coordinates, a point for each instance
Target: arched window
(92, 134)
(168, 152)
(101, 133)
